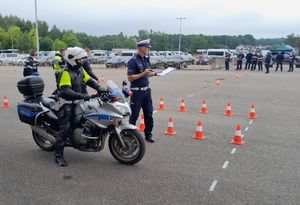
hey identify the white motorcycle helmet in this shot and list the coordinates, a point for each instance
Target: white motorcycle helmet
(73, 54)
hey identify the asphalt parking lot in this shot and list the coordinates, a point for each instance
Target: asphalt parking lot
(176, 169)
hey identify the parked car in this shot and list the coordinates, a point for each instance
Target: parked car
(99, 57)
(201, 58)
(127, 55)
(115, 62)
(156, 60)
(188, 58)
(9, 58)
(297, 62)
(173, 59)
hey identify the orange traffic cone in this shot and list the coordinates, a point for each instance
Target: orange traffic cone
(218, 83)
(170, 130)
(228, 111)
(142, 123)
(236, 75)
(5, 102)
(182, 106)
(237, 139)
(199, 134)
(252, 114)
(161, 104)
(204, 108)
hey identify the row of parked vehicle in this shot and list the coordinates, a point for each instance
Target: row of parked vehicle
(45, 58)
(158, 59)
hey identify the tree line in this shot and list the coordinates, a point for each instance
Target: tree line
(20, 34)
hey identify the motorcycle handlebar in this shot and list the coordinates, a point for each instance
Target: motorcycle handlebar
(103, 96)
(95, 96)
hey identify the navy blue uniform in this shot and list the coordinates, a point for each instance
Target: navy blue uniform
(279, 60)
(141, 97)
(254, 61)
(227, 61)
(31, 67)
(240, 58)
(248, 61)
(260, 62)
(268, 62)
(291, 62)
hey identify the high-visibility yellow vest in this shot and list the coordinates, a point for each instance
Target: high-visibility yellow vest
(56, 66)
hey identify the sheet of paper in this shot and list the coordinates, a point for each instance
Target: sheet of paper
(166, 71)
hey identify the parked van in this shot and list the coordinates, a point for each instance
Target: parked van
(216, 53)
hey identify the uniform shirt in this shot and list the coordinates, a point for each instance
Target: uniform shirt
(136, 65)
(292, 58)
(279, 58)
(31, 64)
(268, 59)
(249, 56)
(240, 56)
(254, 58)
(260, 58)
(227, 58)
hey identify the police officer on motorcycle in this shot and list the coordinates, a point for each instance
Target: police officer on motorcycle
(70, 89)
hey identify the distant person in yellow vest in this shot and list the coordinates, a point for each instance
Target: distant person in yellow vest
(58, 66)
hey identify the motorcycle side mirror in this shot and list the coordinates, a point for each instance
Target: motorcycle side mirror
(124, 83)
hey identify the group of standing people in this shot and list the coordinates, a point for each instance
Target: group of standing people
(254, 60)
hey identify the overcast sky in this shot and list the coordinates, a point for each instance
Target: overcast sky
(261, 18)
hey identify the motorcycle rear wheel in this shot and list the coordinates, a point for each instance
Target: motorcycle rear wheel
(44, 145)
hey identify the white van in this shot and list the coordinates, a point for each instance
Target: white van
(127, 55)
(216, 53)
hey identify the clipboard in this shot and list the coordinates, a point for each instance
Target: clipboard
(166, 71)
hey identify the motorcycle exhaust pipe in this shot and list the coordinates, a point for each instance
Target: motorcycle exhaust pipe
(43, 134)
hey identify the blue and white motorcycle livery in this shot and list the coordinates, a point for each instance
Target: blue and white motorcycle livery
(95, 120)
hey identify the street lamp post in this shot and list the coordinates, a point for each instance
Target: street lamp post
(37, 30)
(180, 20)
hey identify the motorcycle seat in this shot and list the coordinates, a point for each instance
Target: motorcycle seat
(48, 102)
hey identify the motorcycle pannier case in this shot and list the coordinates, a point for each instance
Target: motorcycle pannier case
(31, 86)
(28, 111)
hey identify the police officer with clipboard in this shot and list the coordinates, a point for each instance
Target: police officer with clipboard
(138, 74)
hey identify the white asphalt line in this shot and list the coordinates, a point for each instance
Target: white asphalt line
(155, 111)
(190, 95)
(233, 150)
(250, 122)
(225, 164)
(246, 129)
(213, 185)
(242, 136)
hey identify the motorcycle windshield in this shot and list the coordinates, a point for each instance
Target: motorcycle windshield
(115, 91)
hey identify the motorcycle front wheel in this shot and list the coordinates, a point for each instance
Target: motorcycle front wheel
(134, 147)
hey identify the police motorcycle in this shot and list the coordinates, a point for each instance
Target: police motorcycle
(104, 116)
